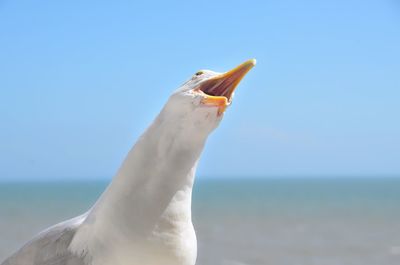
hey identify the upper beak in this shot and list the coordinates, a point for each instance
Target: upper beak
(219, 89)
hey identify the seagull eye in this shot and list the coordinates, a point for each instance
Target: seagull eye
(199, 73)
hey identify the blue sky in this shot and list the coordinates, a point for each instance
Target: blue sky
(80, 80)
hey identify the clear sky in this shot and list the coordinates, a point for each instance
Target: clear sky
(80, 80)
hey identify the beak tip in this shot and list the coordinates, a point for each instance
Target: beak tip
(253, 62)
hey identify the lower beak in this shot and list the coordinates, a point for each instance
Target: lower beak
(219, 89)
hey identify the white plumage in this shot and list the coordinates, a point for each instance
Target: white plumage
(144, 216)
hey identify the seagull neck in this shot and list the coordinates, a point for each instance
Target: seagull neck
(155, 181)
(166, 155)
(148, 203)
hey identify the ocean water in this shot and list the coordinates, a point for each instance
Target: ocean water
(304, 221)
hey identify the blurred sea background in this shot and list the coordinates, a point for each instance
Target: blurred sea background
(80, 80)
(277, 221)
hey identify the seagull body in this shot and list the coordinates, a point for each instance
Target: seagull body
(144, 216)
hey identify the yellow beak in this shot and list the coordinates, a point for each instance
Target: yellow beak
(219, 89)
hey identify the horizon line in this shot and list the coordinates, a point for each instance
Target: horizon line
(210, 178)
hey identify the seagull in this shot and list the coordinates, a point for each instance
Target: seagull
(144, 215)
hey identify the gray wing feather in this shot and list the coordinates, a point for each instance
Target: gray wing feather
(50, 247)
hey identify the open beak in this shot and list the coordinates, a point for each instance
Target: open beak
(219, 89)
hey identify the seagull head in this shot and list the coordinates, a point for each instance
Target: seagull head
(202, 100)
